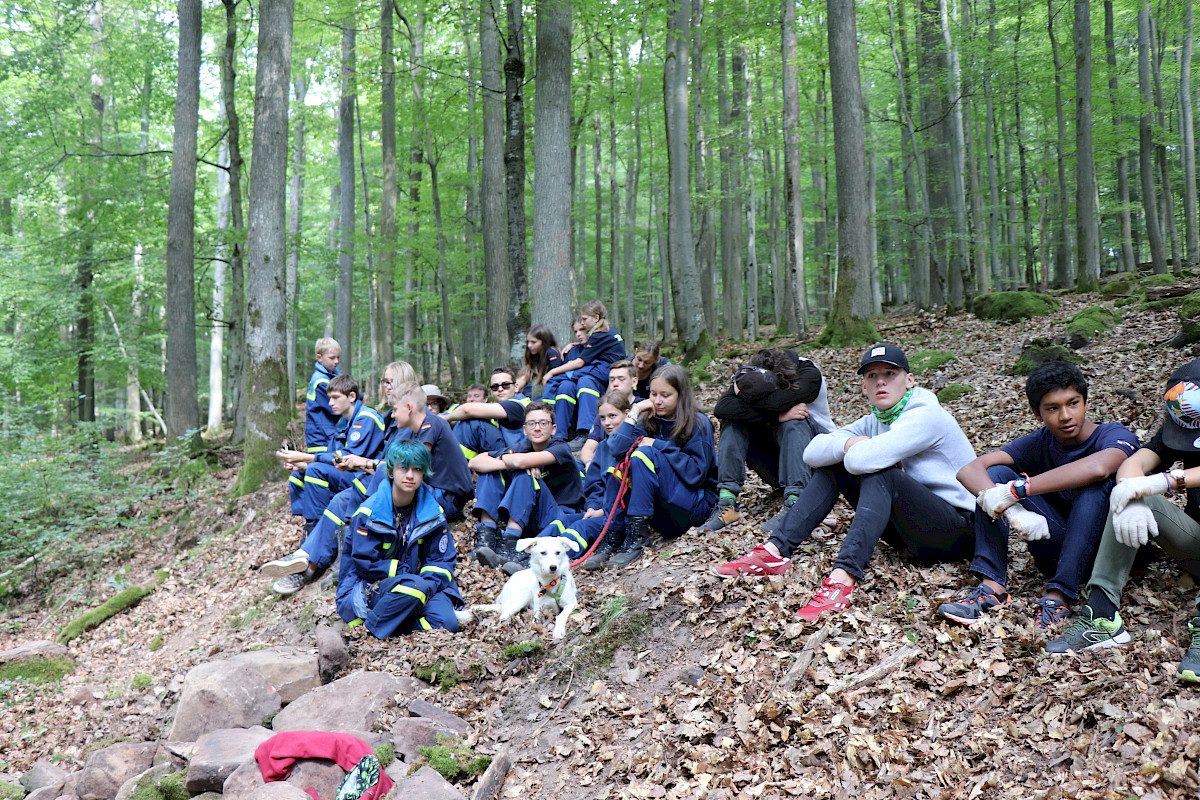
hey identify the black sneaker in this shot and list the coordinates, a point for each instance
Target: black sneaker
(971, 608)
(608, 545)
(1090, 633)
(1050, 612)
(772, 525)
(1189, 668)
(487, 542)
(577, 441)
(725, 513)
(637, 538)
(290, 584)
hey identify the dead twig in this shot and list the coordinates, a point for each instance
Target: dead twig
(805, 658)
(876, 672)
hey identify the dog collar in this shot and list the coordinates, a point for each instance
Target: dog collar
(545, 590)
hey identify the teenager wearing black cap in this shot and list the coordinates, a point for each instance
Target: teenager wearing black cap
(1139, 511)
(897, 467)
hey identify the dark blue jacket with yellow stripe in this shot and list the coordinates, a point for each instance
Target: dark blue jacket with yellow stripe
(418, 561)
(320, 423)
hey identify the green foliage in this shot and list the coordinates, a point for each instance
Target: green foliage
(141, 681)
(37, 670)
(156, 643)
(1039, 351)
(925, 360)
(1189, 316)
(1012, 306)
(950, 393)
(455, 760)
(111, 607)
(618, 627)
(444, 673)
(11, 791)
(167, 787)
(1159, 305)
(386, 755)
(523, 650)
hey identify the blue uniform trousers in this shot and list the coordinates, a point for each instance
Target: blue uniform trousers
(1076, 518)
(478, 436)
(391, 607)
(582, 531)
(576, 397)
(518, 497)
(656, 491)
(321, 483)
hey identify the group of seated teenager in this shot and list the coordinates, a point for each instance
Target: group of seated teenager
(1081, 494)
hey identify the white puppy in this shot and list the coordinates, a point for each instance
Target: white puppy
(547, 584)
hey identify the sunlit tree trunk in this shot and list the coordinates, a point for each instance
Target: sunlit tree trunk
(295, 218)
(268, 407)
(342, 330)
(389, 190)
(183, 411)
(551, 254)
(492, 191)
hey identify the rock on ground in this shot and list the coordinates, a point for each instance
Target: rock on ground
(219, 753)
(348, 704)
(106, 770)
(222, 694)
(291, 670)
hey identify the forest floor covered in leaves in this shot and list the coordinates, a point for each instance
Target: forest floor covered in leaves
(675, 683)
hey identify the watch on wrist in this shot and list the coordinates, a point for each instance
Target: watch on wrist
(1178, 480)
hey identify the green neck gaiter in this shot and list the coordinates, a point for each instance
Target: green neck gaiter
(892, 414)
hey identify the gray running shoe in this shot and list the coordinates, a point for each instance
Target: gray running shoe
(1090, 633)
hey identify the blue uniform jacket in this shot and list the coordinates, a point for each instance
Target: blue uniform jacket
(695, 462)
(363, 435)
(422, 557)
(320, 423)
(604, 462)
(602, 347)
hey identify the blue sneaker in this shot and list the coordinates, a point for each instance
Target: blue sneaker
(970, 609)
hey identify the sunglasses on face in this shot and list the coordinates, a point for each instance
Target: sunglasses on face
(495, 387)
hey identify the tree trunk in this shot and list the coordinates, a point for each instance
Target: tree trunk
(295, 218)
(269, 408)
(850, 319)
(183, 412)
(794, 212)
(1146, 144)
(1063, 276)
(443, 285)
(1128, 259)
(1026, 220)
(820, 250)
(1088, 237)
(995, 215)
(597, 210)
(367, 377)
(470, 330)
(235, 317)
(931, 69)
(689, 324)
(1190, 214)
(342, 330)
(731, 196)
(492, 190)
(514, 163)
(551, 256)
(416, 162)
(741, 85)
(389, 190)
(216, 344)
(916, 199)
(706, 238)
(632, 176)
(1160, 149)
(952, 133)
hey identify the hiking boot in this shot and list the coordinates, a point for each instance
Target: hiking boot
(1189, 668)
(608, 545)
(830, 598)
(577, 441)
(971, 608)
(507, 552)
(637, 538)
(772, 525)
(1090, 633)
(759, 561)
(290, 584)
(1050, 612)
(725, 513)
(487, 542)
(330, 580)
(288, 565)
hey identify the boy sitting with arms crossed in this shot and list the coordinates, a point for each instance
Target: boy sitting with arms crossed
(1139, 511)
(316, 477)
(528, 486)
(320, 421)
(1051, 487)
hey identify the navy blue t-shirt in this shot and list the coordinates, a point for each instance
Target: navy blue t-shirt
(604, 347)
(561, 477)
(450, 471)
(1038, 452)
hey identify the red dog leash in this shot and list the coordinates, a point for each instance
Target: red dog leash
(623, 467)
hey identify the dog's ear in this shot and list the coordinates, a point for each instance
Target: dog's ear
(571, 544)
(525, 544)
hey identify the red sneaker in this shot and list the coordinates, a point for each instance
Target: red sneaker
(759, 561)
(829, 598)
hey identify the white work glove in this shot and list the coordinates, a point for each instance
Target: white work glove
(1134, 488)
(1135, 524)
(996, 499)
(1029, 525)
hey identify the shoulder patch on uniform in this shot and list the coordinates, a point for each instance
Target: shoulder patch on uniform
(442, 544)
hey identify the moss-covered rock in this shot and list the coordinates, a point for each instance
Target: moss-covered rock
(455, 760)
(523, 650)
(11, 791)
(1165, 279)
(114, 605)
(1116, 288)
(1189, 318)
(37, 670)
(154, 785)
(950, 393)
(1039, 351)
(1161, 305)
(1012, 306)
(1092, 321)
(925, 360)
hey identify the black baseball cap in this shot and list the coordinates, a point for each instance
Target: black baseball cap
(1181, 425)
(883, 354)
